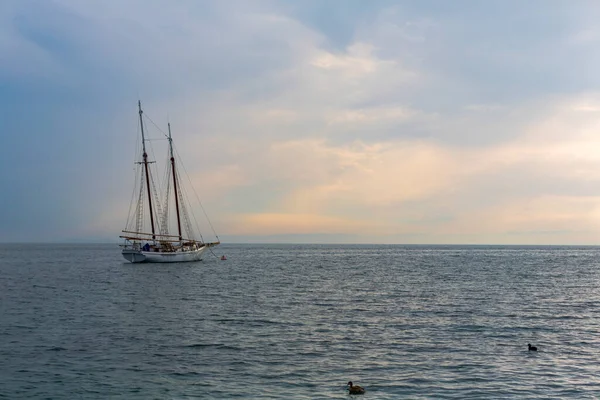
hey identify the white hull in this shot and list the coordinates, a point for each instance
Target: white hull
(138, 256)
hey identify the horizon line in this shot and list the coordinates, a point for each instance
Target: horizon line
(324, 243)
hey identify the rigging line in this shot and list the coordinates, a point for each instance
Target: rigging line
(213, 253)
(167, 192)
(184, 205)
(135, 169)
(139, 218)
(197, 197)
(150, 147)
(156, 169)
(133, 192)
(157, 205)
(166, 204)
(157, 127)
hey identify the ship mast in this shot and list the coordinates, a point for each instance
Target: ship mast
(174, 182)
(145, 162)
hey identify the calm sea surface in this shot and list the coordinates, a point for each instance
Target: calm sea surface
(300, 321)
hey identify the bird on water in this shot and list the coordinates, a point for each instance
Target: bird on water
(531, 348)
(355, 389)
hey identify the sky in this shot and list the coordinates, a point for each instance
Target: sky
(340, 121)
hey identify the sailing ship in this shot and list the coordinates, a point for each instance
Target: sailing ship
(149, 239)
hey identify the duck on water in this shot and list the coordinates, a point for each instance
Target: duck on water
(355, 389)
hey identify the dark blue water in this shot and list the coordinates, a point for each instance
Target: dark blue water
(299, 321)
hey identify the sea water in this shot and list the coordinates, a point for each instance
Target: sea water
(299, 322)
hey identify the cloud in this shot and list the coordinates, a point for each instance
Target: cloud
(431, 189)
(378, 115)
(284, 224)
(408, 123)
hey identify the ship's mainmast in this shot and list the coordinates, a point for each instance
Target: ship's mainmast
(145, 162)
(175, 183)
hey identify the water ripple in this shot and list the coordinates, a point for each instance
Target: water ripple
(299, 321)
